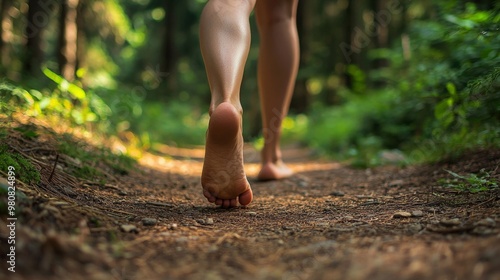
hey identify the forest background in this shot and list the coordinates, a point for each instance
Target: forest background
(384, 80)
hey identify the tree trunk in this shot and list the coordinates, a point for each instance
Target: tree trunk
(365, 38)
(5, 34)
(168, 60)
(81, 38)
(38, 19)
(68, 39)
(348, 50)
(382, 20)
(301, 99)
(338, 57)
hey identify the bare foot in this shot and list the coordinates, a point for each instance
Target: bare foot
(274, 171)
(223, 178)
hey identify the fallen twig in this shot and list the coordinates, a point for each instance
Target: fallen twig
(53, 168)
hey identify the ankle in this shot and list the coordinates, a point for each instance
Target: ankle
(273, 157)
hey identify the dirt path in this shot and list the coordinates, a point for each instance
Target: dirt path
(327, 222)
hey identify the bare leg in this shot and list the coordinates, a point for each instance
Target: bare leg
(277, 70)
(225, 42)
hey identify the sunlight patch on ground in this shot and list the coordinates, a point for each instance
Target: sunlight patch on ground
(252, 169)
(192, 163)
(192, 153)
(163, 164)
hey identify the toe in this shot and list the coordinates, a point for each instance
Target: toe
(218, 201)
(226, 203)
(246, 197)
(209, 196)
(234, 202)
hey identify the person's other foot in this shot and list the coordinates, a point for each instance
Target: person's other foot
(223, 177)
(274, 171)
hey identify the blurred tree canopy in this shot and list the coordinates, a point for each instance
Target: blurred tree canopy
(392, 61)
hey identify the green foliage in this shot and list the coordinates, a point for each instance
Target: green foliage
(3, 132)
(294, 130)
(175, 123)
(68, 101)
(25, 171)
(12, 97)
(442, 101)
(28, 131)
(465, 92)
(472, 183)
(87, 160)
(354, 128)
(120, 110)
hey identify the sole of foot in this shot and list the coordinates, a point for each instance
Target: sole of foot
(223, 177)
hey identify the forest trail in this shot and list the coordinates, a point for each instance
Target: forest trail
(329, 221)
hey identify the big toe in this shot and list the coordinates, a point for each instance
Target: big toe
(246, 197)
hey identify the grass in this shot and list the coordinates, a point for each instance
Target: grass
(471, 183)
(86, 159)
(25, 171)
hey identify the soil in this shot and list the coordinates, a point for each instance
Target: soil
(328, 221)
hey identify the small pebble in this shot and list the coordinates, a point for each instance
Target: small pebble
(252, 213)
(172, 226)
(129, 228)
(337, 193)
(417, 213)
(149, 221)
(401, 214)
(70, 192)
(450, 222)
(415, 228)
(396, 183)
(207, 221)
(303, 184)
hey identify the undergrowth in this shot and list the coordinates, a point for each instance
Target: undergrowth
(87, 160)
(472, 183)
(24, 169)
